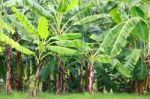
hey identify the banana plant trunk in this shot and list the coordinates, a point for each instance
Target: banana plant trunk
(136, 86)
(26, 86)
(148, 79)
(37, 74)
(19, 71)
(89, 77)
(8, 69)
(59, 77)
(142, 85)
(81, 78)
(18, 78)
(46, 84)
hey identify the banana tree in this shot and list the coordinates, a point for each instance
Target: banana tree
(43, 39)
(10, 43)
(116, 40)
(87, 56)
(60, 25)
(57, 35)
(133, 31)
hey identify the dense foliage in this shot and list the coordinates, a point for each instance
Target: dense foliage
(69, 46)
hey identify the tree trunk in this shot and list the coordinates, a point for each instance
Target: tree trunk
(17, 75)
(89, 77)
(28, 65)
(59, 77)
(81, 77)
(27, 82)
(35, 88)
(136, 88)
(19, 72)
(142, 85)
(8, 69)
(148, 77)
(46, 84)
(65, 85)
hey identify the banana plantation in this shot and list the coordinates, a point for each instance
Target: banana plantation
(59, 47)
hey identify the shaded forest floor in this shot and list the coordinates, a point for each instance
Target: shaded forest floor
(16, 95)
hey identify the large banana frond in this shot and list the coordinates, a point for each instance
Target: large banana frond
(91, 18)
(69, 43)
(149, 45)
(112, 34)
(1, 49)
(127, 68)
(74, 44)
(120, 68)
(137, 11)
(23, 20)
(142, 30)
(98, 37)
(140, 71)
(45, 72)
(9, 3)
(124, 33)
(6, 27)
(132, 59)
(119, 34)
(38, 8)
(43, 28)
(67, 36)
(4, 38)
(73, 4)
(62, 50)
(104, 58)
(123, 71)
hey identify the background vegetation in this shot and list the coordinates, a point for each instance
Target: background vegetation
(75, 46)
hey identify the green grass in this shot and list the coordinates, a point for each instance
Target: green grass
(16, 95)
